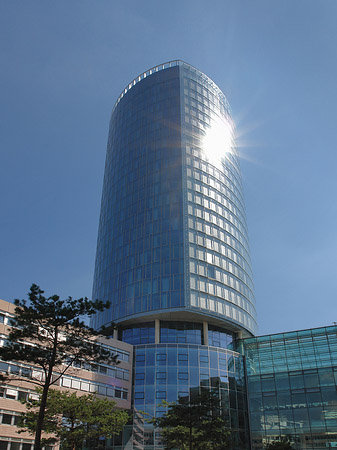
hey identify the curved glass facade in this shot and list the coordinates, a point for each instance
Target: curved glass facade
(172, 234)
(218, 271)
(170, 371)
(140, 259)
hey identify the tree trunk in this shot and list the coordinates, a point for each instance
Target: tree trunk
(39, 423)
(190, 436)
(46, 386)
(73, 445)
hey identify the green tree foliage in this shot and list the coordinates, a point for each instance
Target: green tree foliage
(282, 444)
(49, 334)
(73, 419)
(195, 424)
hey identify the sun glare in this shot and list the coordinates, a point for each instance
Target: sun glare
(218, 141)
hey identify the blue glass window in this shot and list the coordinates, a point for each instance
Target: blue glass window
(180, 332)
(138, 334)
(219, 337)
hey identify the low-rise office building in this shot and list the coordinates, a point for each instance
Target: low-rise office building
(106, 380)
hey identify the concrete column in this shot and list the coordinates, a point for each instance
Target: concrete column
(115, 333)
(157, 331)
(205, 332)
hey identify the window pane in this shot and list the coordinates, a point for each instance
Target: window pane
(7, 419)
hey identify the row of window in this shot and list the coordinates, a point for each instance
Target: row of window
(300, 357)
(177, 332)
(99, 388)
(8, 418)
(171, 270)
(227, 279)
(228, 259)
(213, 207)
(17, 394)
(21, 371)
(225, 362)
(299, 398)
(294, 337)
(158, 90)
(221, 177)
(28, 372)
(210, 257)
(114, 372)
(313, 441)
(216, 296)
(199, 300)
(227, 245)
(208, 97)
(225, 160)
(288, 421)
(284, 381)
(223, 238)
(216, 219)
(133, 134)
(224, 196)
(138, 264)
(75, 383)
(145, 75)
(201, 107)
(122, 355)
(192, 74)
(19, 445)
(213, 177)
(219, 186)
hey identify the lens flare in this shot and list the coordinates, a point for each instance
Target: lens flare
(218, 141)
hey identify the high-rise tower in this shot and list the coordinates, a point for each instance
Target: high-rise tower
(172, 252)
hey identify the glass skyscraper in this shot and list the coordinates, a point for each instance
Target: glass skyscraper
(172, 252)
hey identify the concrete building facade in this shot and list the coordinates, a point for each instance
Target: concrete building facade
(113, 382)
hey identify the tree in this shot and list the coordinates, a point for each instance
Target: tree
(74, 419)
(282, 444)
(194, 424)
(48, 333)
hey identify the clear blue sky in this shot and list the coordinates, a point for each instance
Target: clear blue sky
(64, 63)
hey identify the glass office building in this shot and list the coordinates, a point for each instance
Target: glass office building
(172, 251)
(292, 388)
(173, 260)
(172, 239)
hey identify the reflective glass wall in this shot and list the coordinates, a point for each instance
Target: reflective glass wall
(171, 371)
(217, 261)
(172, 251)
(172, 233)
(178, 332)
(139, 261)
(292, 388)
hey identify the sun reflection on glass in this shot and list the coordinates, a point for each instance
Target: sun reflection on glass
(218, 141)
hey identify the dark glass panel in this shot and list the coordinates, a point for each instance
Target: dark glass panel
(282, 381)
(296, 381)
(180, 332)
(219, 337)
(7, 419)
(138, 334)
